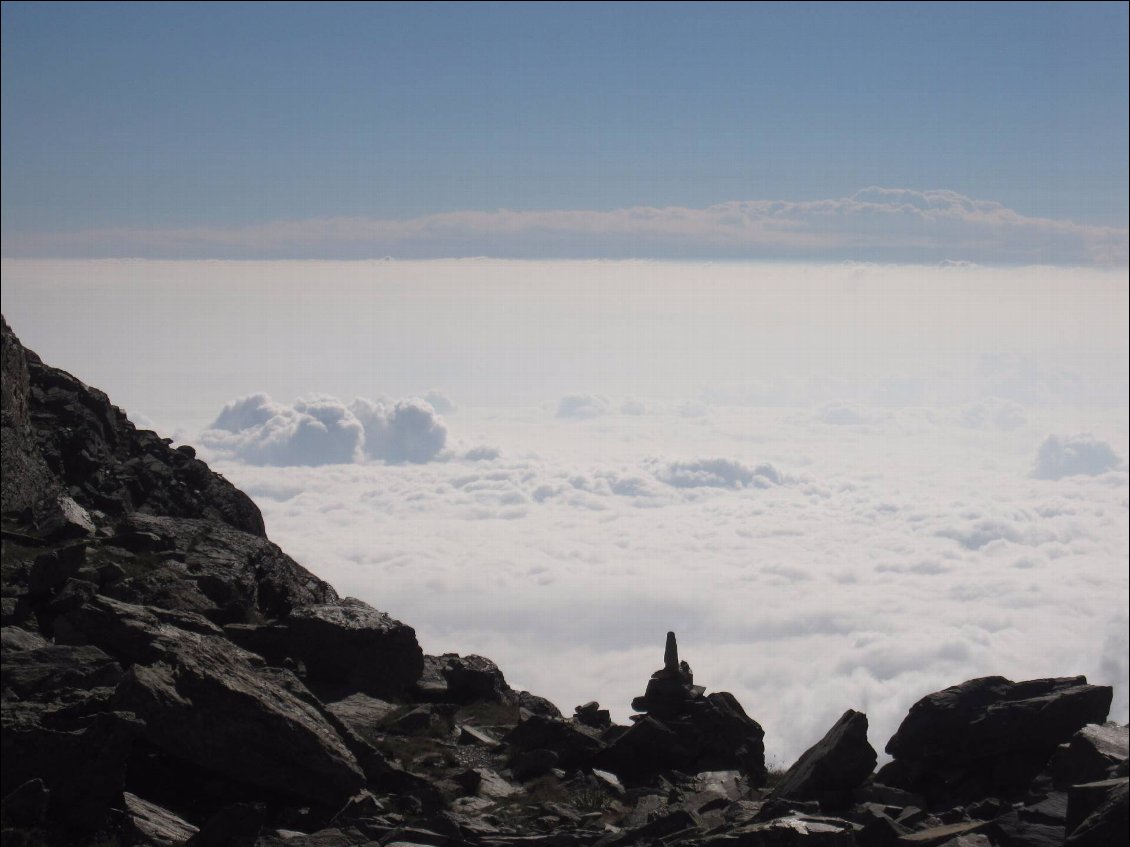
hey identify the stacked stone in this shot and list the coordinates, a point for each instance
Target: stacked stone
(671, 690)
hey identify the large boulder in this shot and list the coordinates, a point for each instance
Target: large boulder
(573, 744)
(207, 702)
(835, 765)
(989, 736)
(452, 678)
(714, 734)
(346, 646)
(194, 565)
(59, 730)
(1092, 754)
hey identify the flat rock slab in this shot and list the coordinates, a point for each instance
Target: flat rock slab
(157, 825)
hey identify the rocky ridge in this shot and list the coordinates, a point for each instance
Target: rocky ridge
(172, 677)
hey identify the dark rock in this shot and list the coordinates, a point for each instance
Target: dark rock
(82, 766)
(988, 736)
(474, 735)
(574, 747)
(1052, 810)
(350, 646)
(363, 714)
(1014, 830)
(532, 763)
(64, 519)
(231, 825)
(876, 792)
(59, 434)
(26, 483)
(831, 768)
(800, 830)
(1091, 755)
(532, 704)
(938, 835)
(590, 714)
(15, 638)
(1106, 824)
(1085, 798)
(156, 825)
(664, 826)
(52, 569)
(210, 568)
(452, 678)
(207, 701)
(26, 805)
(35, 673)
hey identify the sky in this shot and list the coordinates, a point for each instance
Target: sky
(567, 131)
(800, 329)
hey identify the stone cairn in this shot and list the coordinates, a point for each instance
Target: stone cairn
(671, 690)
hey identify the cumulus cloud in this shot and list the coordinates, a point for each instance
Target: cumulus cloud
(885, 224)
(1062, 456)
(439, 401)
(482, 453)
(844, 414)
(313, 431)
(406, 431)
(582, 406)
(718, 473)
(993, 413)
(321, 430)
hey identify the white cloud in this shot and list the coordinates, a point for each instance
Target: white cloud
(881, 224)
(314, 431)
(406, 431)
(993, 413)
(633, 406)
(321, 430)
(1062, 456)
(582, 406)
(843, 414)
(718, 473)
(439, 401)
(482, 453)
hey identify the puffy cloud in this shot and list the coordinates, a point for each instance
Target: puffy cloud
(633, 406)
(406, 431)
(993, 413)
(482, 453)
(718, 473)
(440, 402)
(314, 431)
(321, 430)
(843, 414)
(1062, 456)
(880, 224)
(582, 406)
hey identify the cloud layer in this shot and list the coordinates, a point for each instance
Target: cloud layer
(882, 224)
(321, 430)
(806, 567)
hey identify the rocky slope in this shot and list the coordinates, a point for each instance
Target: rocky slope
(171, 677)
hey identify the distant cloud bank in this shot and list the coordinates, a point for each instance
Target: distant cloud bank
(880, 224)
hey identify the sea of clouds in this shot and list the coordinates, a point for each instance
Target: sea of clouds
(843, 486)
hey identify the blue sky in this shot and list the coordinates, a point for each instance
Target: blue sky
(133, 120)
